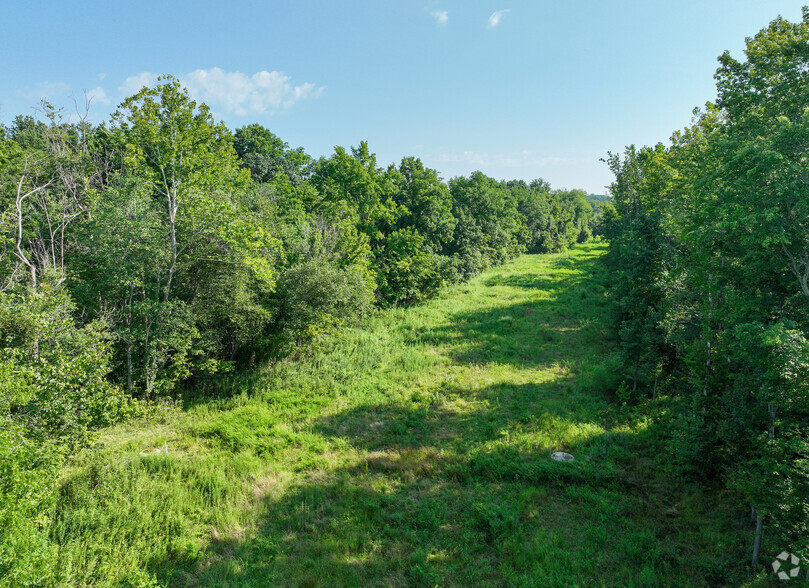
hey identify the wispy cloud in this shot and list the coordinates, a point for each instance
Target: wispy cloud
(441, 17)
(240, 94)
(495, 17)
(57, 92)
(235, 92)
(134, 84)
(48, 90)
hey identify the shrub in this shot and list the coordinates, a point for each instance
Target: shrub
(408, 272)
(315, 297)
(53, 396)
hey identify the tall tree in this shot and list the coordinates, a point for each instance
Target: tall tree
(266, 155)
(427, 201)
(354, 184)
(190, 170)
(173, 144)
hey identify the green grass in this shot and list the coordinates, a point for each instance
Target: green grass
(411, 452)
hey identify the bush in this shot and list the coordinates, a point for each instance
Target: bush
(316, 297)
(61, 391)
(53, 396)
(408, 272)
(605, 377)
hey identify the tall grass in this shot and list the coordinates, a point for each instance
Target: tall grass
(414, 451)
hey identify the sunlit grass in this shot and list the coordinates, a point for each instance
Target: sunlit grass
(412, 451)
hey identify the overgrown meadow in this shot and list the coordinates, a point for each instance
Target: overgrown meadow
(226, 363)
(414, 451)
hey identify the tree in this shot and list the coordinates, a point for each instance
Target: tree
(175, 146)
(114, 279)
(490, 229)
(317, 298)
(354, 185)
(52, 174)
(534, 204)
(639, 259)
(408, 272)
(765, 143)
(710, 255)
(266, 156)
(190, 170)
(427, 201)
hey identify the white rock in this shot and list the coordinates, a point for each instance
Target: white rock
(561, 456)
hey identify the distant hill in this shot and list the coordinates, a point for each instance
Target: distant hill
(598, 198)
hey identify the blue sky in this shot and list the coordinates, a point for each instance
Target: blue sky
(516, 89)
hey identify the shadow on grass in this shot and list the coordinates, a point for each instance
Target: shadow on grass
(437, 497)
(457, 487)
(565, 322)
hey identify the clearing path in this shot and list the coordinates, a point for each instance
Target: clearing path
(414, 452)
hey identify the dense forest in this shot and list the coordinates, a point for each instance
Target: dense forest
(709, 247)
(149, 255)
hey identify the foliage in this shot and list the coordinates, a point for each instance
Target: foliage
(266, 156)
(489, 230)
(710, 258)
(316, 298)
(427, 202)
(408, 271)
(58, 369)
(412, 449)
(354, 185)
(54, 397)
(146, 257)
(534, 203)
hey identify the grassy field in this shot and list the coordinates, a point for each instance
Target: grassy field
(411, 452)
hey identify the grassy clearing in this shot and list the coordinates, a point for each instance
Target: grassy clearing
(411, 452)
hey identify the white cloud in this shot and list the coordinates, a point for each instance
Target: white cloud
(441, 17)
(240, 94)
(233, 92)
(134, 84)
(98, 96)
(495, 17)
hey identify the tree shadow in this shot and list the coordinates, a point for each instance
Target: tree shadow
(564, 322)
(431, 496)
(455, 485)
(428, 496)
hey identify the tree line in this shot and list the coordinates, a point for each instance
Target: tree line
(709, 246)
(159, 250)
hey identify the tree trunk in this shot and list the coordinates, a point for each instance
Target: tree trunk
(129, 368)
(757, 538)
(18, 252)
(799, 267)
(759, 519)
(172, 243)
